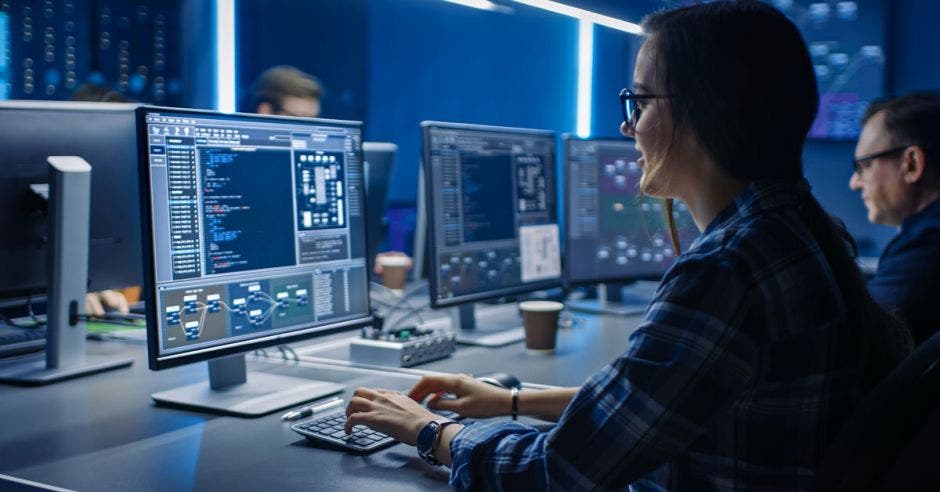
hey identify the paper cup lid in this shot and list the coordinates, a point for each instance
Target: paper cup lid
(541, 306)
(394, 261)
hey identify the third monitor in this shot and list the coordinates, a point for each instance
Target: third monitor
(615, 234)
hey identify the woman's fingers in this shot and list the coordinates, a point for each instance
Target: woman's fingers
(360, 418)
(438, 402)
(433, 384)
(367, 393)
(359, 404)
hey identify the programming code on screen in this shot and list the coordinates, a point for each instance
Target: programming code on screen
(257, 227)
(491, 192)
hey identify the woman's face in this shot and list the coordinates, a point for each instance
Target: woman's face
(654, 132)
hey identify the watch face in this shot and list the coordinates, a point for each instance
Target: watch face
(426, 437)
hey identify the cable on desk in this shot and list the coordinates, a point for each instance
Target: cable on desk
(402, 299)
(288, 352)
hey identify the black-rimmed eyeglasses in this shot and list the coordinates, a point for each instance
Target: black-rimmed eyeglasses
(862, 163)
(630, 107)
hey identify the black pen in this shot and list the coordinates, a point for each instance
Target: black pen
(308, 411)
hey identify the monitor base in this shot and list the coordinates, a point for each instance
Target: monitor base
(34, 371)
(490, 337)
(262, 394)
(493, 330)
(594, 306)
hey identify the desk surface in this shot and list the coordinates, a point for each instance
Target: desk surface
(103, 433)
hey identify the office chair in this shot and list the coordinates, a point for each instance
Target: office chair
(892, 440)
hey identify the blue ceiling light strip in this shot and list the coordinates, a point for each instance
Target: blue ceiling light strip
(586, 22)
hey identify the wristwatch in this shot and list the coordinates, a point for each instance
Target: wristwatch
(428, 437)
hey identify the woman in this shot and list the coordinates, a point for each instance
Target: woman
(761, 338)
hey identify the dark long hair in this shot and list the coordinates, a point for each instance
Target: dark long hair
(740, 80)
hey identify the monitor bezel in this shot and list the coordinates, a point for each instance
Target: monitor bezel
(570, 282)
(155, 360)
(432, 246)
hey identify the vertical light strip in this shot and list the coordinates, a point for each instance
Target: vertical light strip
(225, 55)
(585, 76)
(5, 75)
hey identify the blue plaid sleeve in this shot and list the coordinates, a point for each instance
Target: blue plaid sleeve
(686, 364)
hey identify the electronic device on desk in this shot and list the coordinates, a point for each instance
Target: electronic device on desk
(18, 341)
(254, 235)
(614, 234)
(379, 162)
(401, 347)
(492, 221)
(27, 335)
(330, 430)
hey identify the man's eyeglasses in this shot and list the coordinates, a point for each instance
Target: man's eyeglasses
(629, 105)
(865, 162)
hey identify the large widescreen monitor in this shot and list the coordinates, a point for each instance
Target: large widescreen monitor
(254, 235)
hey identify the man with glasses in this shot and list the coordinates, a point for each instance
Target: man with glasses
(897, 170)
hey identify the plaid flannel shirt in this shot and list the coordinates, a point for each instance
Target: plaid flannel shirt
(737, 379)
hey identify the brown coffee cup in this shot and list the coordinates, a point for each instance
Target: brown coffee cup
(540, 319)
(394, 270)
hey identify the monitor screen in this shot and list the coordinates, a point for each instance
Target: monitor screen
(254, 231)
(103, 134)
(613, 231)
(492, 218)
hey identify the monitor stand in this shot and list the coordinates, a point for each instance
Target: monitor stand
(488, 333)
(612, 301)
(65, 357)
(231, 391)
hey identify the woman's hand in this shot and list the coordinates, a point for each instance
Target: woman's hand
(389, 412)
(473, 398)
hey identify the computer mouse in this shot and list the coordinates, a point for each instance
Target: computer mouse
(500, 379)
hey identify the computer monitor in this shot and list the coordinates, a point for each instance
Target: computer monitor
(492, 218)
(104, 135)
(379, 161)
(614, 234)
(254, 235)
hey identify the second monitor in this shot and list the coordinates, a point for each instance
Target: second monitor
(615, 234)
(492, 219)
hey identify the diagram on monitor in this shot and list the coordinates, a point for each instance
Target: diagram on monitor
(320, 201)
(217, 312)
